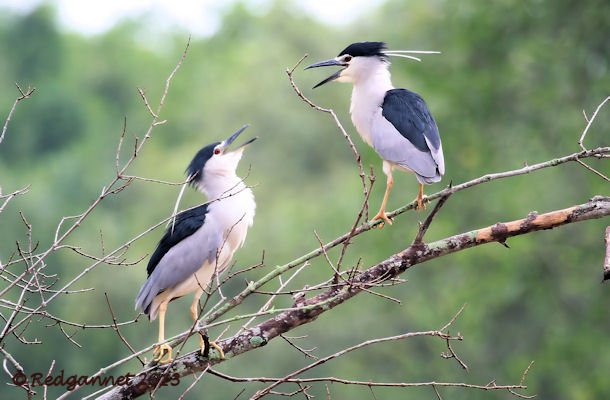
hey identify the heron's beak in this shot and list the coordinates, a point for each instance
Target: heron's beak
(329, 63)
(234, 136)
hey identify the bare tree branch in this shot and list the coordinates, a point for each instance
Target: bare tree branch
(280, 269)
(24, 95)
(311, 308)
(590, 122)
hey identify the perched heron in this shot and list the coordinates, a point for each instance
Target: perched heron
(201, 241)
(395, 122)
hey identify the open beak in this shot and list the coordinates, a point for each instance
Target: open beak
(234, 136)
(329, 63)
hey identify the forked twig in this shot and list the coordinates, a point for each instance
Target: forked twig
(24, 95)
(590, 122)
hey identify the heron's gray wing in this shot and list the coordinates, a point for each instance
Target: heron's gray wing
(195, 239)
(393, 147)
(186, 257)
(186, 223)
(405, 132)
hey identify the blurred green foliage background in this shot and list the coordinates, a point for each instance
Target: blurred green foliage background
(508, 89)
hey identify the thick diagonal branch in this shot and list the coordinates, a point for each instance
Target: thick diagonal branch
(309, 309)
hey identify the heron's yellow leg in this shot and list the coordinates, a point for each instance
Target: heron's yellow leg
(420, 198)
(382, 214)
(204, 344)
(163, 352)
(195, 305)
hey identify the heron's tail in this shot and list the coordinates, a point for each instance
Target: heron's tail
(429, 179)
(145, 298)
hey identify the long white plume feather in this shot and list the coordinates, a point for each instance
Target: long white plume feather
(402, 55)
(414, 51)
(173, 220)
(405, 53)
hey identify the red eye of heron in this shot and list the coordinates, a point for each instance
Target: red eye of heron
(216, 151)
(347, 58)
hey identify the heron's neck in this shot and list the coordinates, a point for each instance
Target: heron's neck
(223, 186)
(233, 206)
(367, 97)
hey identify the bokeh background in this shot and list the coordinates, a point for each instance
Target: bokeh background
(508, 90)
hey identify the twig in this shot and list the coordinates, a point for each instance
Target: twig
(24, 95)
(301, 389)
(192, 385)
(452, 354)
(438, 395)
(143, 95)
(239, 394)
(590, 122)
(9, 327)
(383, 296)
(232, 274)
(527, 370)
(331, 379)
(267, 304)
(305, 352)
(424, 227)
(337, 274)
(117, 156)
(45, 387)
(522, 383)
(11, 196)
(70, 337)
(363, 211)
(452, 320)
(596, 172)
(8, 357)
(118, 331)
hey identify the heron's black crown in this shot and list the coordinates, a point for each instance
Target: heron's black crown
(365, 49)
(194, 170)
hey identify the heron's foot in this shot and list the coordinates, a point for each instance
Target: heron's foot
(421, 203)
(219, 349)
(162, 354)
(205, 344)
(383, 216)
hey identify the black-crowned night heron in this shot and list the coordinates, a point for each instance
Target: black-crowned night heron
(395, 122)
(201, 241)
